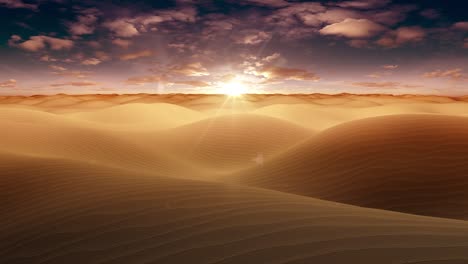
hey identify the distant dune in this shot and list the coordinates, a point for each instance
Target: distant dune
(145, 116)
(409, 163)
(257, 179)
(232, 141)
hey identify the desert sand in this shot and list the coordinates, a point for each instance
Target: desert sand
(256, 179)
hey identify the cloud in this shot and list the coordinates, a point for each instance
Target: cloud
(136, 55)
(217, 25)
(85, 23)
(47, 58)
(123, 43)
(267, 3)
(133, 26)
(364, 4)
(256, 66)
(11, 83)
(401, 36)
(64, 72)
(37, 43)
(102, 56)
(190, 69)
(389, 67)
(122, 28)
(274, 73)
(186, 14)
(79, 84)
(377, 84)
(374, 75)
(91, 61)
(141, 80)
(353, 28)
(358, 43)
(430, 13)
(252, 37)
(57, 68)
(291, 15)
(461, 25)
(332, 15)
(390, 15)
(17, 4)
(180, 47)
(194, 83)
(455, 74)
(465, 43)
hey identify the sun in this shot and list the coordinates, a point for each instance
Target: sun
(234, 89)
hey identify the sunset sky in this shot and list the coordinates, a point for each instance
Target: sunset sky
(270, 46)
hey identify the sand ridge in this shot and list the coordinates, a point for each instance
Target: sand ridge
(408, 163)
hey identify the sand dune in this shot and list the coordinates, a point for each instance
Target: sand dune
(319, 117)
(48, 135)
(145, 116)
(408, 163)
(208, 179)
(60, 211)
(231, 141)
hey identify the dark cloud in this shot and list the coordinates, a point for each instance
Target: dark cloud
(17, 4)
(269, 3)
(430, 13)
(85, 23)
(463, 25)
(364, 4)
(402, 35)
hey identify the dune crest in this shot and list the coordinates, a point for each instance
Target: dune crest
(408, 163)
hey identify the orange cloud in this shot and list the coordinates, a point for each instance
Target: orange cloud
(377, 84)
(62, 71)
(252, 37)
(353, 28)
(8, 84)
(389, 67)
(91, 61)
(194, 83)
(124, 43)
(454, 74)
(136, 55)
(37, 43)
(191, 69)
(122, 28)
(140, 80)
(80, 84)
(283, 73)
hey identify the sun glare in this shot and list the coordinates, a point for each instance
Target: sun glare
(234, 89)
